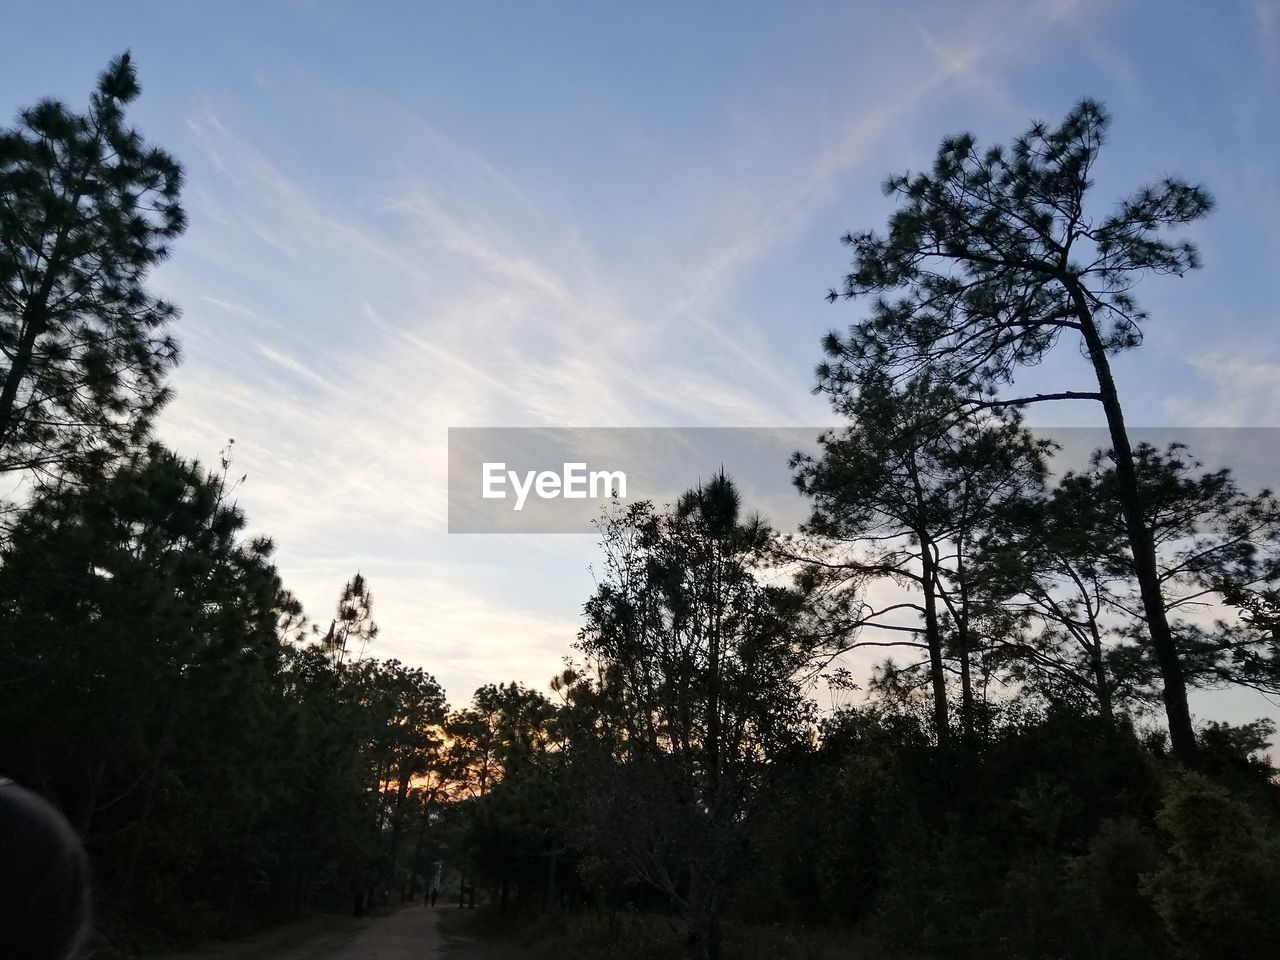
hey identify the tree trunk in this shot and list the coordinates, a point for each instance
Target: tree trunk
(35, 318)
(1182, 738)
(33, 326)
(966, 684)
(703, 922)
(551, 899)
(1099, 667)
(704, 938)
(1105, 710)
(933, 638)
(397, 817)
(962, 641)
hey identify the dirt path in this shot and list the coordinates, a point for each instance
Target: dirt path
(408, 934)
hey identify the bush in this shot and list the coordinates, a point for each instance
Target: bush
(1218, 892)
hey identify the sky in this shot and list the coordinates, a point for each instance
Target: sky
(406, 217)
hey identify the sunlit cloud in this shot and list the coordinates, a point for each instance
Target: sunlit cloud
(338, 337)
(1243, 390)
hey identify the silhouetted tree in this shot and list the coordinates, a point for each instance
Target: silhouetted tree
(989, 261)
(1213, 542)
(1052, 562)
(691, 683)
(131, 601)
(1217, 890)
(353, 624)
(898, 499)
(508, 759)
(87, 207)
(1062, 560)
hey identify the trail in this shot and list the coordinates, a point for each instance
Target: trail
(408, 934)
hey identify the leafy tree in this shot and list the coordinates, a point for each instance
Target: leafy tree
(353, 624)
(1063, 561)
(1217, 894)
(1257, 651)
(897, 500)
(373, 767)
(495, 737)
(990, 260)
(508, 758)
(132, 602)
(87, 208)
(1213, 542)
(1052, 562)
(691, 684)
(409, 706)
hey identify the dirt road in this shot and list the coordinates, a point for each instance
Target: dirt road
(408, 934)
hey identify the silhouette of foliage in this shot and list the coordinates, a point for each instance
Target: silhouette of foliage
(990, 260)
(87, 208)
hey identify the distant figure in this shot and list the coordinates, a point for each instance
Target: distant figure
(434, 893)
(44, 879)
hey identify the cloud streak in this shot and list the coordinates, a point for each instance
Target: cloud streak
(449, 293)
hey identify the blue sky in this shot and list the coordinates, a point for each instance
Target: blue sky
(406, 217)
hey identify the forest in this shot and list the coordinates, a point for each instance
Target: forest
(1020, 776)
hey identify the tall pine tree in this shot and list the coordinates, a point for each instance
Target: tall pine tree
(87, 208)
(990, 260)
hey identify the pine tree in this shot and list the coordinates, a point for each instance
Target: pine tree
(897, 501)
(87, 208)
(990, 260)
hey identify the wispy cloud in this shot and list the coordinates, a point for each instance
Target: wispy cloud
(1243, 390)
(446, 293)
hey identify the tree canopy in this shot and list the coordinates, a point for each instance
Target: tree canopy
(87, 208)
